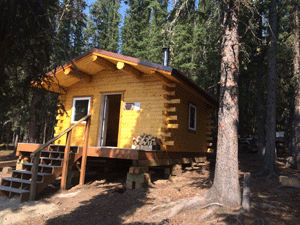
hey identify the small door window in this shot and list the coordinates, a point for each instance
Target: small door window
(81, 108)
(192, 116)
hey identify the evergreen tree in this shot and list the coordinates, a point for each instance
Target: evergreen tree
(194, 36)
(71, 24)
(206, 48)
(295, 147)
(26, 47)
(157, 30)
(226, 180)
(103, 25)
(135, 32)
(183, 51)
(269, 159)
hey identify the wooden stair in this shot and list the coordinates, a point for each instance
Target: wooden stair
(50, 167)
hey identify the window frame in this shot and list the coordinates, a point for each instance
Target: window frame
(195, 118)
(73, 107)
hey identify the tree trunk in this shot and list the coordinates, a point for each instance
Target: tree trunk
(226, 183)
(8, 135)
(260, 97)
(269, 159)
(16, 140)
(295, 150)
(1, 132)
(32, 136)
(45, 132)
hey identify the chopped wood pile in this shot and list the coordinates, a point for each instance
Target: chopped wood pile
(144, 142)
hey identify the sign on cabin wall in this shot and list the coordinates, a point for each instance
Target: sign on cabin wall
(130, 106)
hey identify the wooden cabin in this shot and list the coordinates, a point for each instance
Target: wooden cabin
(127, 97)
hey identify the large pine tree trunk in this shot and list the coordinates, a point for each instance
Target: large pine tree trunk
(295, 150)
(269, 159)
(260, 98)
(226, 184)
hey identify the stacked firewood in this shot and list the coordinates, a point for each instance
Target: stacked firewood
(143, 140)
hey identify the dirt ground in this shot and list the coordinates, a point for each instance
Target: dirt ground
(104, 200)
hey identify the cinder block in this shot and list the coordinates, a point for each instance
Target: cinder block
(138, 170)
(200, 159)
(7, 169)
(147, 178)
(177, 170)
(130, 185)
(167, 173)
(194, 165)
(137, 180)
(289, 181)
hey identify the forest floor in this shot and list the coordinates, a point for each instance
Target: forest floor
(104, 200)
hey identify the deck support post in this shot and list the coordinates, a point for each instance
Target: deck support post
(65, 165)
(137, 177)
(84, 153)
(176, 170)
(34, 171)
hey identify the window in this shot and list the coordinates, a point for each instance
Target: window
(192, 116)
(81, 108)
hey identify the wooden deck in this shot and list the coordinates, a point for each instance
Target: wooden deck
(139, 157)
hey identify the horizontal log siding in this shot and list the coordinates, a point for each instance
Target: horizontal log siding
(186, 140)
(146, 90)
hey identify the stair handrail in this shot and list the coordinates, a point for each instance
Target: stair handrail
(36, 154)
(33, 154)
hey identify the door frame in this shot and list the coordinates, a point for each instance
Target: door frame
(103, 130)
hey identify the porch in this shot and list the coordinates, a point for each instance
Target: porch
(40, 164)
(141, 158)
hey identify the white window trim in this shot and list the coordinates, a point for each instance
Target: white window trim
(73, 108)
(195, 118)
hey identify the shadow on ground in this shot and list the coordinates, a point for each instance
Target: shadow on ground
(270, 203)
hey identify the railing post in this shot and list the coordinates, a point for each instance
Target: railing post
(65, 165)
(34, 174)
(84, 153)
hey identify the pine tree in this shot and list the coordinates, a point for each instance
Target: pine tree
(103, 25)
(135, 32)
(71, 24)
(269, 160)
(183, 38)
(79, 25)
(157, 30)
(296, 78)
(207, 35)
(26, 47)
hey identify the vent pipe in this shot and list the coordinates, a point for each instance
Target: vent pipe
(166, 55)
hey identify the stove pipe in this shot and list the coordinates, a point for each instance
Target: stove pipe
(166, 55)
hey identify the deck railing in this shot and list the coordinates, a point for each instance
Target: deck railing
(37, 153)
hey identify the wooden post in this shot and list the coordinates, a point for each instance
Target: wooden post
(84, 153)
(34, 174)
(246, 193)
(65, 165)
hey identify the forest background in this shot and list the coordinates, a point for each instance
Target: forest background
(37, 38)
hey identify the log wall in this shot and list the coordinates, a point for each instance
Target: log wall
(147, 90)
(164, 111)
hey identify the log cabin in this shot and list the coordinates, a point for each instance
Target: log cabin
(110, 101)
